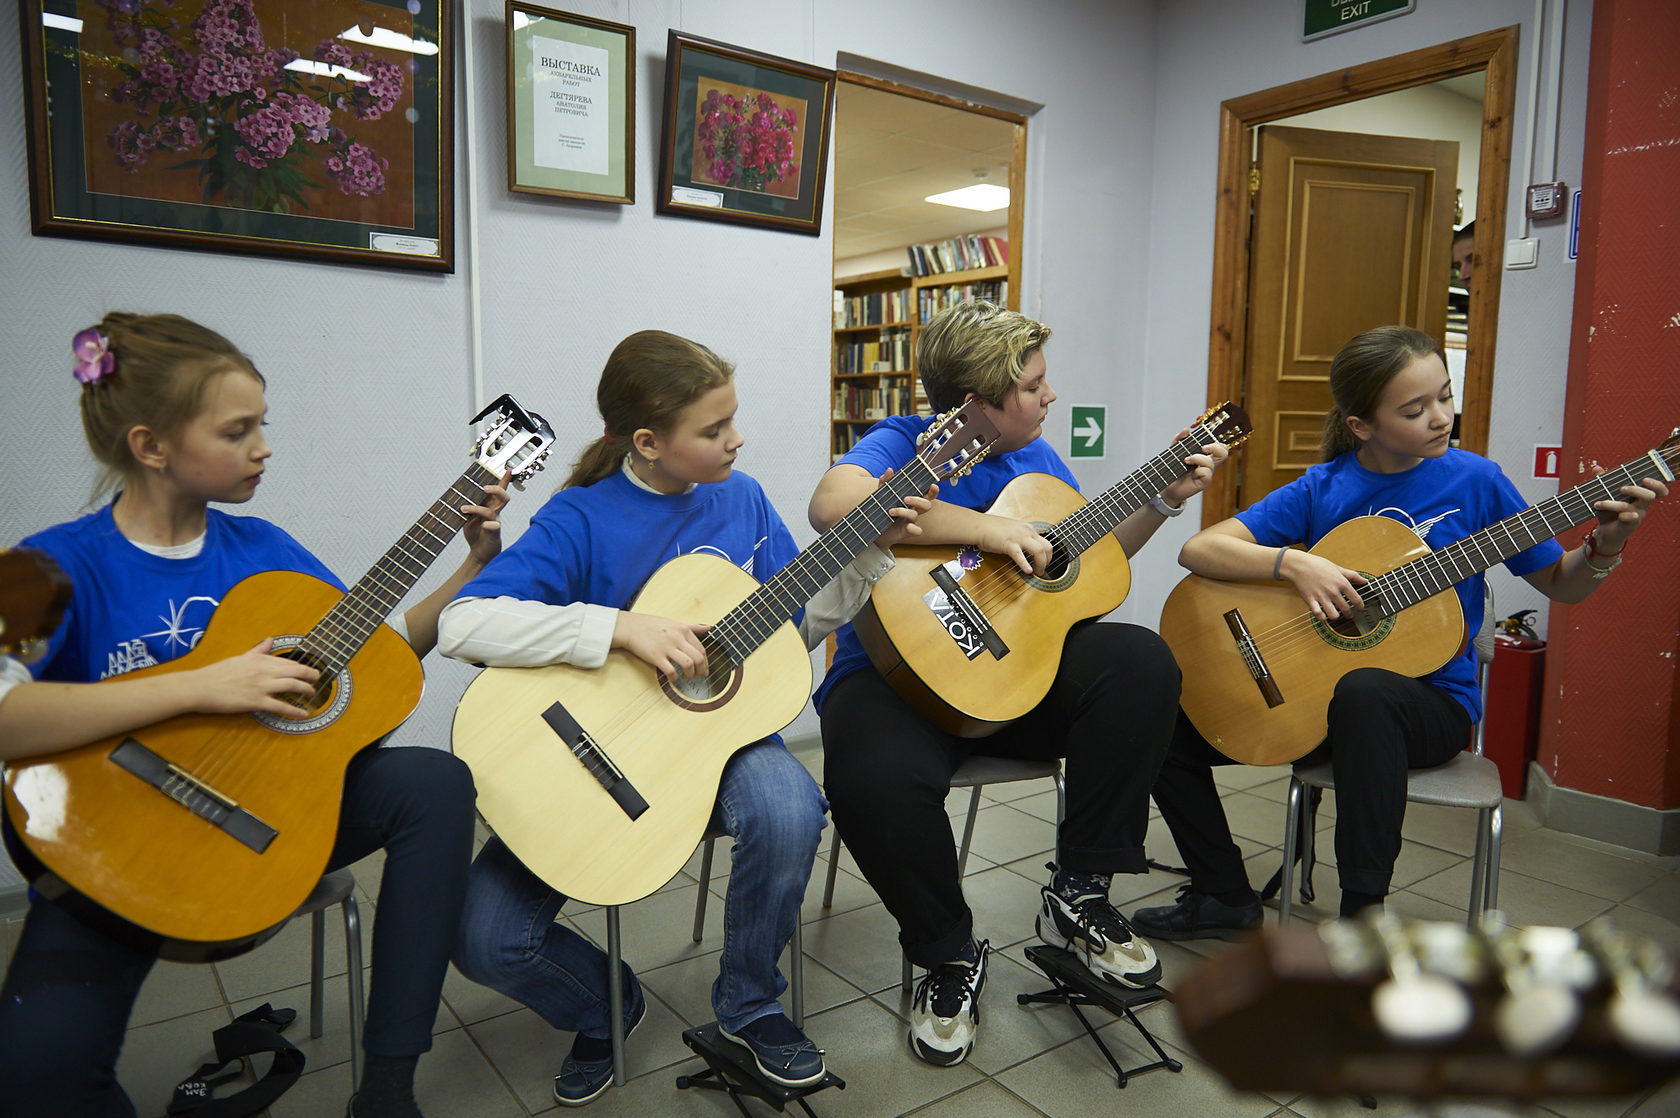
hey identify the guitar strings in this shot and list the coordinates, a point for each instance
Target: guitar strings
(1407, 585)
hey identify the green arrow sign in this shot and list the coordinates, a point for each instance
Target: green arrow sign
(1089, 430)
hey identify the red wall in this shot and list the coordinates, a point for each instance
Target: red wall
(1610, 722)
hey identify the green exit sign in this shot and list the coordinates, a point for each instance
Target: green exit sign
(1090, 430)
(1326, 17)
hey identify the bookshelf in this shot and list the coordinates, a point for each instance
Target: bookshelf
(877, 317)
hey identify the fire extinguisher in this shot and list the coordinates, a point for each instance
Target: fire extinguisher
(1512, 730)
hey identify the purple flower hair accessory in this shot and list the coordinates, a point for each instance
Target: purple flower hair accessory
(94, 360)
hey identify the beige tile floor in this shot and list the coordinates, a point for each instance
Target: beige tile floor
(492, 1058)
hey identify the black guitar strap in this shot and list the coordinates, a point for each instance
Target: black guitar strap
(249, 1034)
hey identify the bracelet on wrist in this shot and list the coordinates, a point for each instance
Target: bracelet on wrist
(1590, 551)
(1277, 565)
(1166, 510)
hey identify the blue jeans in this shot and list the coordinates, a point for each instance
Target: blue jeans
(509, 941)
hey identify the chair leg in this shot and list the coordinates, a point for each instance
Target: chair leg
(1496, 838)
(833, 866)
(1309, 840)
(796, 979)
(904, 973)
(353, 977)
(317, 970)
(968, 830)
(705, 888)
(615, 994)
(1291, 835)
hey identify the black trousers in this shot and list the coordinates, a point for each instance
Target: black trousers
(70, 988)
(887, 771)
(1380, 725)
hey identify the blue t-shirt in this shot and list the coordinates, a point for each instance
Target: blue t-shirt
(891, 443)
(130, 609)
(1441, 499)
(600, 543)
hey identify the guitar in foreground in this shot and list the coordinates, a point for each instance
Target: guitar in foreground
(1260, 670)
(601, 780)
(33, 595)
(942, 624)
(1426, 1009)
(202, 833)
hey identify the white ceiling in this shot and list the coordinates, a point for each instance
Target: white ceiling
(891, 151)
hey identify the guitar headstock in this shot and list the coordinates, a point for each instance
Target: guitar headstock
(956, 442)
(1669, 451)
(34, 592)
(1226, 423)
(1425, 1009)
(517, 441)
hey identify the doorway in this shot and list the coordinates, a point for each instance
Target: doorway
(1491, 54)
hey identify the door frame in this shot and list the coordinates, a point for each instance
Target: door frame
(1494, 52)
(1017, 159)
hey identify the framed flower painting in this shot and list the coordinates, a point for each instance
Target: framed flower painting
(746, 136)
(301, 128)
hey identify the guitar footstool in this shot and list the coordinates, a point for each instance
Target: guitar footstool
(731, 1069)
(1075, 986)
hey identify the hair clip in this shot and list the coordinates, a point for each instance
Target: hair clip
(94, 360)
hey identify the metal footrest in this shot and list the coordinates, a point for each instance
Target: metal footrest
(730, 1068)
(1075, 986)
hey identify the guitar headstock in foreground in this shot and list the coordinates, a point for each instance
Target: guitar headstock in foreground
(1431, 1009)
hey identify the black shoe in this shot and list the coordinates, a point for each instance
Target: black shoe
(581, 1082)
(1197, 916)
(782, 1052)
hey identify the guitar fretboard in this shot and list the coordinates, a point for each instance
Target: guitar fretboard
(347, 626)
(1428, 575)
(1093, 521)
(739, 633)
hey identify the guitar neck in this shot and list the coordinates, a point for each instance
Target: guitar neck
(750, 624)
(1097, 519)
(347, 626)
(1429, 574)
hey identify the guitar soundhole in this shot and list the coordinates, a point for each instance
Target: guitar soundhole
(1364, 628)
(1062, 570)
(704, 692)
(331, 696)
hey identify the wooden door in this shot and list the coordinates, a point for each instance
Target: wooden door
(1350, 231)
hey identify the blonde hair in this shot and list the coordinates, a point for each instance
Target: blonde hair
(976, 347)
(1360, 372)
(163, 364)
(650, 377)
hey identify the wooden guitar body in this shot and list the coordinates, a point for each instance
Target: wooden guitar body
(1305, 657)
(931, 667)
(670, 745)
(110, 837)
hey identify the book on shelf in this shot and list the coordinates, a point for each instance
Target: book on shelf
(931, 300)
(958, 254)
(882, 308)
(889, 355)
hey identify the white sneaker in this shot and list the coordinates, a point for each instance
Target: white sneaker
(946, 1011)
(1093, 929)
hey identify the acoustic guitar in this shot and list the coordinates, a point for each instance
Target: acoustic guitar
(601, 780)
(1424, 1010)
(34, 593)
(199, 835)
(1260, 670)
(970, 641)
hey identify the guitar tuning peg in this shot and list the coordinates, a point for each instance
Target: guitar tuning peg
(1414, 1005)
(1641, 1011)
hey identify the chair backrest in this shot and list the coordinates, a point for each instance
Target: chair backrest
(1483, 640)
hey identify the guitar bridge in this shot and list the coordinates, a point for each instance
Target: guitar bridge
(963, 619)
(193, 794)
(598, 764)
(1252, 660)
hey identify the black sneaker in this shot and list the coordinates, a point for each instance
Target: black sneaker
(1198, 916)
(783, 1053)
(583, 1081)
(1093, 929)
(945, 1013)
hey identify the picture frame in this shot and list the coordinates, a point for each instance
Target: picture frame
(571, 89)
(709, 87)
(323, 130)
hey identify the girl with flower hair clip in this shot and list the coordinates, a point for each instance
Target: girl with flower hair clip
(174, 416)
(659, 483)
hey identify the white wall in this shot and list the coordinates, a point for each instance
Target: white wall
(370, 370)
(1209, 52)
